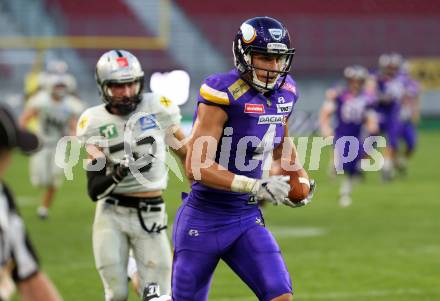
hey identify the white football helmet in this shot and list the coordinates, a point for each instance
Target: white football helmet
(119, 67)
(356, 72)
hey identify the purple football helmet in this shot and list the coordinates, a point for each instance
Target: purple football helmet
(267, 36)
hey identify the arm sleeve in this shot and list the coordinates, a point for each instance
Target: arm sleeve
(99, 184)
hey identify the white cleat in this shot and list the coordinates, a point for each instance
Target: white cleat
(42, 213)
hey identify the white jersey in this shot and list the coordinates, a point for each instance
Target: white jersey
(54, 117)
(148, 133)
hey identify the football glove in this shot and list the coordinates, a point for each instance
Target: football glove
(304, 202)
(121, 169)
(273, 189)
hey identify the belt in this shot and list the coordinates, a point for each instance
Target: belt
(141, 203)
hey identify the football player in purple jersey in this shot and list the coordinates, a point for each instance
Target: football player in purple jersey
(240, 126)
(354, 116)
(409, 117)
(389, 86)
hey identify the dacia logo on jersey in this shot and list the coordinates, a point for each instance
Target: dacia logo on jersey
(284, 107)
(108, 131)
(271, 119)
(148, 122)
(276, 33)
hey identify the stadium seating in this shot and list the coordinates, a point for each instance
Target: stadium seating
(327, 34)
(102, 19)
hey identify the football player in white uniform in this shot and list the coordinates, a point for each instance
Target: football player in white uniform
(56, 112)
(130, 211)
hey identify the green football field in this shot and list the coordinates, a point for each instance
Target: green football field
(386, 246)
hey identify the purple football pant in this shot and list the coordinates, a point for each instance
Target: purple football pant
(202, 238)
(409, 135)
(391, 130)
(341, 151)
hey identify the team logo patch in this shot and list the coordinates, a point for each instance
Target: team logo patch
(256, 108)
(148, 122)
(276, 33)
(108, 131)
(272, 119)
(122, 61)
(83, 122)
(248, 33)
(165, 101)
(284, 107)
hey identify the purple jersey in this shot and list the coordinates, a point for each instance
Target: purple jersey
(389, 94)
(255, 126)
(351, 112)
(412, 90)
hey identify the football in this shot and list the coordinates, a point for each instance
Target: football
(299, 184)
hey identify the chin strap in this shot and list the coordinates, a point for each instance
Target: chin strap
(263, 86)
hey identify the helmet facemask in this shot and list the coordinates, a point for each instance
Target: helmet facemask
(123, 105)
(249, 71)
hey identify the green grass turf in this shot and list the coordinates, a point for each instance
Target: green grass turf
(386, 246)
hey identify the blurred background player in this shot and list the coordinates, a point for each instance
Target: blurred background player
(408, 119)
(37, 80)
(354, 116)
(56, 111)
(388, 84)
(220, 218)
(19, 264)
(130, 213)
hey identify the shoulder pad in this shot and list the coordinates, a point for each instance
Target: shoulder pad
(290, 86)
(167, 111)
(83, 123)
(214, 89)
(214, 95)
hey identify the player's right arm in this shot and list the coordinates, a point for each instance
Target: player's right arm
(200, 162)
(327, 110)
(100, 183)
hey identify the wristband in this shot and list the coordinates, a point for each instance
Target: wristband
(242, 184)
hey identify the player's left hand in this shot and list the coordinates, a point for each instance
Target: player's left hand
(304, 202)
(273, 189)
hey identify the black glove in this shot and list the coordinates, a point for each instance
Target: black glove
(121, 169)
(120, 172)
